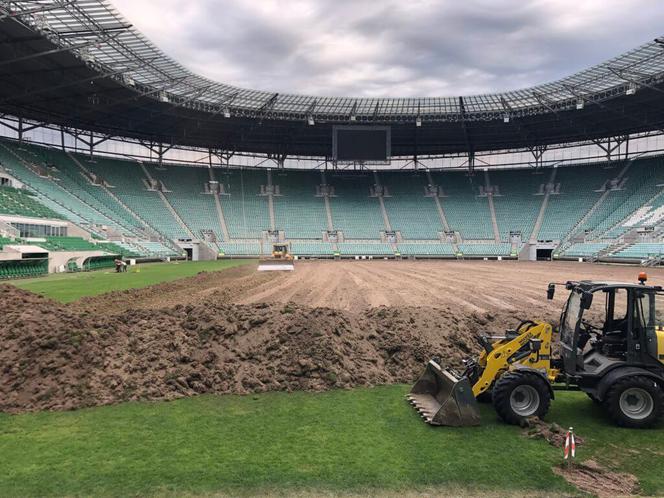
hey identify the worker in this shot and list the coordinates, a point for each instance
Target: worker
(118, 265)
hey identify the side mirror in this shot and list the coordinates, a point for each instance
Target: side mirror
(586, 300)
(550, 291)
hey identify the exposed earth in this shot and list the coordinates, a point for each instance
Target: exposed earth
(468, 286)
(328, 324)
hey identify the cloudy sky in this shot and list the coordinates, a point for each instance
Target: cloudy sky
(393, 47)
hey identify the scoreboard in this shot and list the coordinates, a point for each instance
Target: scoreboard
(361, 144)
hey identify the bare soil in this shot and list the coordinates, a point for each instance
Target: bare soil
(328, 324)
(468, 286)
(592, 478)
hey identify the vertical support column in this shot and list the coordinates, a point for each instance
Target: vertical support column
(538, 155)
(168, 205)
(217, 202)
(492, 208)
(270, 200)
(439, 207)
(386, 219)
(326, 199)
(328, 209)
(540, 217)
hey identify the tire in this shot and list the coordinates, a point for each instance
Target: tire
(485, 397)
(635, 402)
(519, 395)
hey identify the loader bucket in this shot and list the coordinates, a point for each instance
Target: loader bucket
(443, 399)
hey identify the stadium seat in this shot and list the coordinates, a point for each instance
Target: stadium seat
(426, 249)
(409, 211)
(353, 211)
(297, 210)
(466, 211)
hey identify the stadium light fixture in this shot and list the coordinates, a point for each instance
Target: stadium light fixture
(579, 104)
(310, 120)
(353, 117)
(418, 121)
(128, 80)
(227, 112)
(163, 96)
(506, 118)
(631, 89)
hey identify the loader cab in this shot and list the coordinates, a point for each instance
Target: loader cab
(281, 250)
(604, 325)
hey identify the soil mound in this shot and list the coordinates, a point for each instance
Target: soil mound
(552, 433)
(63, 357)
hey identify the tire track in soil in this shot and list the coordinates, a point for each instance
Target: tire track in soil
(423, 286)
(471, 286)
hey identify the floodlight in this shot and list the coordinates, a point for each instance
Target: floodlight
(506, 118)
(127, 79)
(631, 89)
(418, 121)
(579, 104)
(311, 121)
(227, 112)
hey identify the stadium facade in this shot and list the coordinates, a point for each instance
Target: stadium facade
(147, 159)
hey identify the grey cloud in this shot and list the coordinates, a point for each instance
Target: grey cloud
(392, 47)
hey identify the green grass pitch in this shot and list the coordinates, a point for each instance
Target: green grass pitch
(67, 287)
(364, 440)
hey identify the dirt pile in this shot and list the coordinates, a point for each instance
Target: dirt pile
(592, 478)
(63, 357)
(552, 433)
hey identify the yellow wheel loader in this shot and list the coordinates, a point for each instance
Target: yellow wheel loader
(280, 259)
(281, 250)
(614, 352)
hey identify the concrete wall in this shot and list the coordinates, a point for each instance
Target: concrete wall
(76, 231)
(199, 251)
(529, 250)
(61, 258)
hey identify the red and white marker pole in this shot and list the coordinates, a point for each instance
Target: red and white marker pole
(569, 451)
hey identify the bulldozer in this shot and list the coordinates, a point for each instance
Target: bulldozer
(281, 258)
(614, 354)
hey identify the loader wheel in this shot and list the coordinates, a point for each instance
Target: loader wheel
(635, 402)
(519, 395)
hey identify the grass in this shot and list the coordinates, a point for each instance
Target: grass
(364, 440)
(67, 287)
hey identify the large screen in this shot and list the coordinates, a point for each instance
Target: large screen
(361, 143)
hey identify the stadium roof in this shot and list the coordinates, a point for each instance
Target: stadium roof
(81, 64)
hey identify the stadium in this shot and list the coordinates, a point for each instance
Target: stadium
(146, 353)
